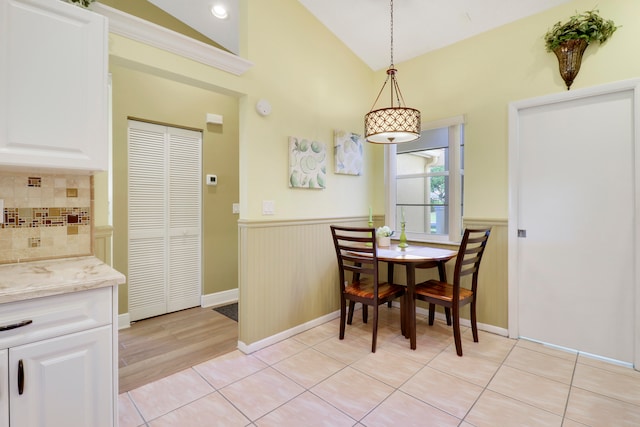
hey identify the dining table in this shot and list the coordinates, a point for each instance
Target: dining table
(413, 257)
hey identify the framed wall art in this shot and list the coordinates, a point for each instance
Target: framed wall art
(348, 151)
(307, 163)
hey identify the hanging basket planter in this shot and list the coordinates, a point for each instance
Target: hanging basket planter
(569, 56)
(569, 40)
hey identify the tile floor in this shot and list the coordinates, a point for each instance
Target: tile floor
(314, 379)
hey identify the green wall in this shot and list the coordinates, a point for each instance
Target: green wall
(315, 85)
(146, 96)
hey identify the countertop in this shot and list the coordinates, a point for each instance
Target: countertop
(26, 280)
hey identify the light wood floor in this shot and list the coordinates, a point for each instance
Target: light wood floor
(160, 346)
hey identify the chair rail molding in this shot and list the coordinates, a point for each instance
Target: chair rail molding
(146, 32)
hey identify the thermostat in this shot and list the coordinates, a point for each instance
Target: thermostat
(212, 180)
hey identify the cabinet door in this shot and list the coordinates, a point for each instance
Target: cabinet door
(4, 388)
(67, 381)
(53, 86)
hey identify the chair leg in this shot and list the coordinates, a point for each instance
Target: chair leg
(447, 314)
(389, 303)
(474, 325)
(456, 329)
(343, 316)
(365, 313)
(375, 329)
(432, 313)
(352, 306)
(403, 316)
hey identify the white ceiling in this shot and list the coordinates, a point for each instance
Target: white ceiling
(420, 26)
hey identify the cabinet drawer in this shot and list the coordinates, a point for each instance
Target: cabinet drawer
(55, 315)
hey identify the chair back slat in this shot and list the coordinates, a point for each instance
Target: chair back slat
(469, 256)
(356, 252)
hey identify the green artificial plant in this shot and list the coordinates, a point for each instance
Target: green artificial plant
(588, 26)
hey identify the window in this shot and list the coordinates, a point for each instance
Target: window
(425, 183)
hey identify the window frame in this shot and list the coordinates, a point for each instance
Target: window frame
(456, 173)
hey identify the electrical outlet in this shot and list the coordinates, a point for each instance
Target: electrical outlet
(235, 208)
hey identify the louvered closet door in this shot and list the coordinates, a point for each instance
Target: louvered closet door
(164, 219)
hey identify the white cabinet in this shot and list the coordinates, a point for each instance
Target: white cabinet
(53, 87)
(64, 381)
(4, 388)
(60, 369)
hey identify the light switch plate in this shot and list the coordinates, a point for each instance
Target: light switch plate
(235, 208)
(268, 207)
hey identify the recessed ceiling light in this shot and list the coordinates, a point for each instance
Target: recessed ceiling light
(219, 11)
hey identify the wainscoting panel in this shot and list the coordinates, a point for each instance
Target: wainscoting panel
(493, 302)
(288, 275)
(102, 236)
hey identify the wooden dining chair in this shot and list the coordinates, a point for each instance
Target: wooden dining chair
(452, 296)
(359, 281)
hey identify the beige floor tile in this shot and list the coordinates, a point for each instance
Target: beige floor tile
(543, 364)
(318, 334)
(490, 346)
(570, 423)
(597, 410)
(493, 409)
(618, 386)
(533, 389)
(347, 350)
(608, 366)
(128, 415)
(470, 367)
(261, 392)
(387, 367)
(309, 367)
(207, 410)
(165, 395)
(224, 370)
(280, 351)
(549, 350)
(423, 353)
(403, 410)
(353, 392)
(305, 410)
(443, 391)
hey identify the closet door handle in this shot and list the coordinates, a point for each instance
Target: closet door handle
(20, 377)
(15, 325)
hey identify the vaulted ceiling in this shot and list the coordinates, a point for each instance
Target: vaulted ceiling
(420, 26)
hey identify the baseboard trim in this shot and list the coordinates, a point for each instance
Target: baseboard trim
(273, 339)
(466, 322)
(124, 321)
(219, 298)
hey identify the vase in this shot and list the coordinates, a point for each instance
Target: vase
(569, 55)
(384, 241)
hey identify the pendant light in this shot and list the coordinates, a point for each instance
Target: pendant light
(396, 123)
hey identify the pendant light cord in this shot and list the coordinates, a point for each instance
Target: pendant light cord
(391, 66)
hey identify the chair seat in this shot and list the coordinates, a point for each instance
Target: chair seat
(440, 290)
(364, 289)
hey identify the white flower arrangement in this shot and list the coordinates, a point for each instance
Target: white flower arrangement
(384, 231)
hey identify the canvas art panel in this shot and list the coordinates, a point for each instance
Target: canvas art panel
(349, 148)
(307, 163)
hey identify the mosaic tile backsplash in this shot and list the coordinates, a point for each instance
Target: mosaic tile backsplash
(45, 216)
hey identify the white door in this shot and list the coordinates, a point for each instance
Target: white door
(65, 383)
(164, 272)
(575, 200)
